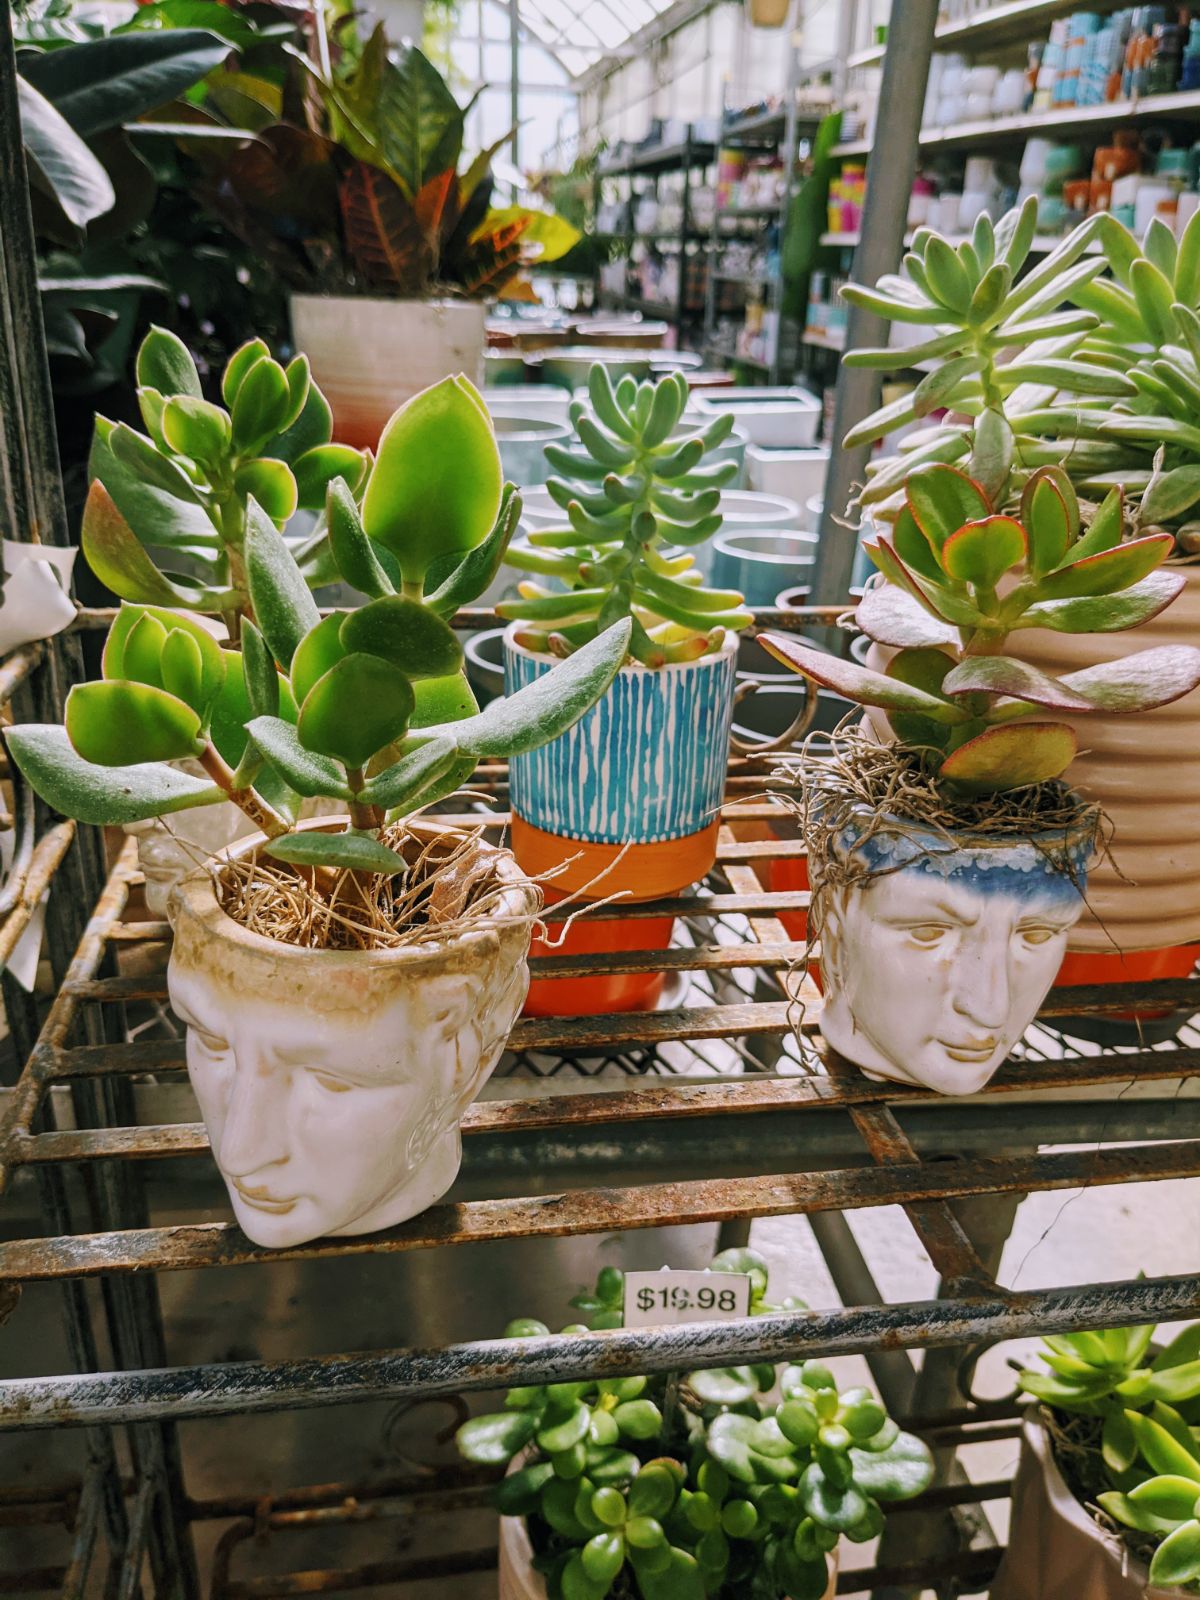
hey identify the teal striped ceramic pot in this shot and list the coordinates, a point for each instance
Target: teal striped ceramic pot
(644, 767)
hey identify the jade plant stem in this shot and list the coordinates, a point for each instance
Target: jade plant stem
(263, 816)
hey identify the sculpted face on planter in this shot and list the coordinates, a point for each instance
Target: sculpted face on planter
(933, 972)
(332, 1083)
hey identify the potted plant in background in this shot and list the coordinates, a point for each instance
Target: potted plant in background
(949, 865)
(1088, 362)
(390, 251)
(346, 983)
(1107, 1490)
(629, 803)
(690, 1485)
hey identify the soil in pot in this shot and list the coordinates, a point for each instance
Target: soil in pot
(331, 1059)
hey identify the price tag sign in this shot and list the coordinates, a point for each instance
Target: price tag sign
(661, 1299)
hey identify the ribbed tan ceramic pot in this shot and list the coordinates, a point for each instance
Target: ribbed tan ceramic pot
(1055, 1550)
(369, 355)
(1145, 771)
(518, 1580)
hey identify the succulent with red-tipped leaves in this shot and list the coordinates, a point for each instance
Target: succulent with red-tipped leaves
(958, 579)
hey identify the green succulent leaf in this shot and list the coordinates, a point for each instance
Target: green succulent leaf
(1137, 682)
(308, 772)
(1113, 613)
(283, 608)
(406, 634)
(901, 1471)
(982, 552)
(320, 649)
(318, 469)
(272, 485)
(107, 723)
(101, 796)
(352, 550)
(260, 407)
(1177, 1559)
(345, 852)
(492, 1441)
(403, 784)
(357, 708)
(859, 683)
(942, 499)
(892, 616)
(1162, 1451)
(117, 557)
(165, 363)
(1109, 572)
(1011, 757)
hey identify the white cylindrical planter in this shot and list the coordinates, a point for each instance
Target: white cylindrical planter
(369, 355)
(1145, 772)
(1054, 1547)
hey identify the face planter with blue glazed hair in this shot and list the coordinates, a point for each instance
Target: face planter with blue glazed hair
(937, 956)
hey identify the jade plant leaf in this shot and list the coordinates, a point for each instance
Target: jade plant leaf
(424, 501)
(356, 560)
(925, 669)
(107, 722)
(831, 1506)
(320, 649)
(101, 795)
(117, 557)
(982, 552)
(1163, 1452)
(165, 363)
(472, 575)
(127, 621)
(348, 852)
(904, 1469)
(406, 634)
(1112, 613)
(1171, 494)
(941, 499)
(260, 675)
(1047, 522)
(1108, 572)
(1168, 1496)
(357, 708)
(283, 607)
(1124, 1509)
(913, 547)
(724, 1386)
(1138, 682)
(318, 469)
(407, 779)
(493, 1440)
(895, 616)
(308, 772)
(1177, 1559)
(1011, 757)
(1104, 531)
(859, 683)
(546, 708)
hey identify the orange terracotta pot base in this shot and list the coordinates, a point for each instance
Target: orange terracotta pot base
(789, 875)
(645, 872)
(1133, 966)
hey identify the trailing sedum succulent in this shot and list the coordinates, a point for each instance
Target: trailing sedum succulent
(708, 1486)
(182, 489)
(1147, 1407)
(369, 708)
(637, 498)
(959, 580)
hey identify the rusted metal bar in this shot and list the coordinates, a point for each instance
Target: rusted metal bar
(581, 1211)
(449, 1480)
(74, 1582)
(129, 1581)
(971, 1569)
(374, 1575)
(43, 863)
(305, 1384)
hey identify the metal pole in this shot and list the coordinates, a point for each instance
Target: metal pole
(514, 84)
(890, 168)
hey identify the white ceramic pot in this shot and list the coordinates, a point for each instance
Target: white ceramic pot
(934, 966)
(782, 419)
(1145, 772)
(332, 1082)
(370, 355)
(1055, 1550)
(518, 1580)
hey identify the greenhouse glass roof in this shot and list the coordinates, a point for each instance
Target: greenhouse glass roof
(580, 32)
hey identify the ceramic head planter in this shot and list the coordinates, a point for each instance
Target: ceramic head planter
(936, 952)
(949, 865)
(335, 1043)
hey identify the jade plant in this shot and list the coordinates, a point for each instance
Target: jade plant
(637, 499)
(1091, 360)
(1130, 1413)
(734, 1483)
(181, 491)
(960, 580)
(368, 708)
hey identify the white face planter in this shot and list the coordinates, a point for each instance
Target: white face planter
(332, 1082)
(935, 964)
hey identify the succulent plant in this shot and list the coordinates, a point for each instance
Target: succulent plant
(637, 499)
(181, 491)
(1090, 361)
(959, 580)
(369, 707)
(1144, 1402)
(709, 1486)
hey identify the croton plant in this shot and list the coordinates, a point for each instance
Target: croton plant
(369, 708)
(1132, 1412)
(356, 188)
(735, 1482)
(960, 580)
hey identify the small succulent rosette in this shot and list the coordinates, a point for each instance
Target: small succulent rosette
(938, 944)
